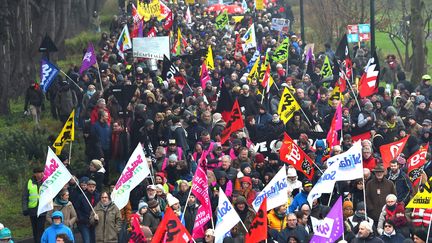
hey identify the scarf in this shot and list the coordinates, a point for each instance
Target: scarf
(394, 176)
(390, 211)
(60, 202)
(105, 206)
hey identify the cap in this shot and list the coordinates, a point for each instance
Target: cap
(84, 180)
(152, 187)
(97, 164)
(360, 206)
(306, 183)
(5, 234)
(426, 122)
(91, 182)
(426, 77)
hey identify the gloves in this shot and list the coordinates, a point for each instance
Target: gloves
(25, 213)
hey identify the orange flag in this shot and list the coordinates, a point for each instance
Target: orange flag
(235, 122)
(392, 150)
(258, 228)
(171, 229)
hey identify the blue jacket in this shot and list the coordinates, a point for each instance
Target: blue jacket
(50, 233)
(396, 238)
(298, 200)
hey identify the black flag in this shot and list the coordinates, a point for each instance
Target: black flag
(169, 71)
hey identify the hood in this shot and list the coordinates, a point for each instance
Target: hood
(320, 144)
(57, 214)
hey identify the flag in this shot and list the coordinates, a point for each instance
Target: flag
(89, 58)
(245, 6)
(164, 10)
(124, 41)
(204, 75)
(276, 191)
(252, 61)
(67, 134)
(188, 18)
(392, 150)
(48, 72)
(423, 198)
(342, 51)
(254, 71)
(137, 23)
(336, 94)
(168, 21)
(227, 217)
(234, 123)
(56, 175)
(169, 71)
(149, 9)
(292, 154)
(335, 127)
(180, 45)
(238, 45)
(249, 39)
(281, 52)
(267, 81)
(209, 59)
(152, 32)
(171, 229)
(342, 167)
(287, 106)
(326, 69)
(415, 164)
(331, 228)
(136, 234)
(222, 20)
(200, 190)
(258, 228)
(133, 174)
(369, 81)
(224, 103)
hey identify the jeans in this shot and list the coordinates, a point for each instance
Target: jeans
(87, 233)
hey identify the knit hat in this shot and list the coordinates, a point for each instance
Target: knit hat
(161, 175)
(236, 142)
(420, 233)
(259, 158)
(91, 182)
(360, 206)
(400, 208)
(244, 165)
(5, 234)
(38, 169)
(97, 164)
(148, 123)
(240, 199)
(172, 200)
(160, 187)
(84, 180)
(152, 203)
(246, 179)
(291, 172)
(347, 204)
(172, 157)
(142, 205)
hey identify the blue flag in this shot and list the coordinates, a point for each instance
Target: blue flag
(48, 72)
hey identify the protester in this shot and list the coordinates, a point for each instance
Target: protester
(62, 204)
(57, 227)
(107, 220)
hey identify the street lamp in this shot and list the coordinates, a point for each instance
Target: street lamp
(302, 31)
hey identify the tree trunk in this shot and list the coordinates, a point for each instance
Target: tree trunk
(418, 42)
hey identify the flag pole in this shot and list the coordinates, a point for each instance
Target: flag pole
(364, 197)
(355, 95)
(70, 151)
(70, 79)
(429, 228)
(187, 199)
(310, 123)
(77, 182)
(99, 75)
(244, 226)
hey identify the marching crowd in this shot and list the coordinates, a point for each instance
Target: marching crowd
(176, 125)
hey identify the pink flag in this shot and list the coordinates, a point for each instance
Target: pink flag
(200, 190)
(204, 75)
(336, 125)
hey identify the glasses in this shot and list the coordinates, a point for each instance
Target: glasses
(387, 226)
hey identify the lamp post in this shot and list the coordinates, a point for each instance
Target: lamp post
(372, 25)
(302, 31)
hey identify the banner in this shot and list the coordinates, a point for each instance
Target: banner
(227, 217)
(392, 150)
(276, 191)
(48, 72)
(171, 229)
(281, 52)
(249, 39)
(209, 59)
(136, 234)
(292, 154)
(369, 81)
(134, 173)
(423, 198)
(149, 10)
(89, 58)
(124, 41)
(67, 134)
(331, 228)
(56, 175)
(342, 167)
(287, 106)
(151, 47)
(258, 228)
(259, 4)
(415, 164)
(254, 70)
(280, 25)
(222, 20)
(326, 69)
(200, 190)
(234, 123)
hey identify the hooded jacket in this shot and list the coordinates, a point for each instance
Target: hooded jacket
(50, 233)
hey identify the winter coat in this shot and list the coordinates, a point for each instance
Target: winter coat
(152, 220)
(190, 215)
(83, 209)
(370, 239)
(69, 213)
(276, 222)
(250, 105)
(393, 238)
(108, 226)
(300, 233)
(34, 96)
(376, 193)
(65, 100)
(403, 187)
(299, 200)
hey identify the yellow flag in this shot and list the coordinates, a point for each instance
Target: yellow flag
(254, 70)
(287, 106)
(422, 199)
(336, 94)
(148, 10)
(190, 2)
(209, 59)
(259, 4)
(326, 69)
(67, 134)
(237, 18)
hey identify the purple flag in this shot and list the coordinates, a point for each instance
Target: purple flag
(89, 59)
(331, 228)
(309, 56)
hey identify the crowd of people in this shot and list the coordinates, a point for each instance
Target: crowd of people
(177, 125)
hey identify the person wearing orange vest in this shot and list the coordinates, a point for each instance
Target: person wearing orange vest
(30, 201)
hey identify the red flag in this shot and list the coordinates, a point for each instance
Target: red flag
(292, 154)
(168, 21)
(235, 122)
(392, 150)
(137, 235)
(415, 162)
(266, 78)
(171, 229)
(204, 75)
(258, 228)
(369, 81)
(361, 137)
(336, 125)
(238, 44)
(152, 32)
(225, 102)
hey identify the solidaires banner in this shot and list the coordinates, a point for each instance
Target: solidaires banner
(67, 134)
(151, 47)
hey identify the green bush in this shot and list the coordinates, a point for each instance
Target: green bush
(76, 44)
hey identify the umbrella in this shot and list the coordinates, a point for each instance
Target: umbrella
(231, 9)
(216, 8)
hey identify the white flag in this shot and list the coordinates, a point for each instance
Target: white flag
(188, 18)
(249, 38)
(133, 174)
(56, 175)
(227, 217)
(342, 167)
(276, 192)
(124, 41)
